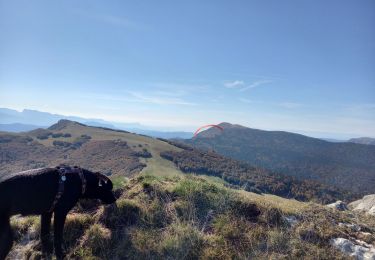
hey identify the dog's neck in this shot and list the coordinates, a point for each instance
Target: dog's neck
(63, 170)
(67, 169)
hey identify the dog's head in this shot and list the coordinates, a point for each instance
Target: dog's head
(99, 187)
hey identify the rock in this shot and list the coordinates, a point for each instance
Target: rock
(291, 220)
(339, 205)
(353, 227)
(358, 249)
(366, 204)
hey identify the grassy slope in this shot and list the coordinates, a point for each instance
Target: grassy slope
(188, 217)
(156, 164)
(163, 214)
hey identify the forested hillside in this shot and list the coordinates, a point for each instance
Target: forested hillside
(249, 178)
(343, 165)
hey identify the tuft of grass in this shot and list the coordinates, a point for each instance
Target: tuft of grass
(98, 239)
(200, 197)
(75, 226)
(216, 247)
(21, 225)
(119, 181)
(126, 213)
(181, 241)
(278, 241)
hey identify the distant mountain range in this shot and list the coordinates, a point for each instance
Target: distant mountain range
(18, 127)
(363, 140)
(349, 166)
(14, 121)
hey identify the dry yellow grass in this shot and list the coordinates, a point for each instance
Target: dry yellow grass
(287, 206)
(189, 217)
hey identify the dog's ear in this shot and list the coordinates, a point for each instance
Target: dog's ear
(102, 178)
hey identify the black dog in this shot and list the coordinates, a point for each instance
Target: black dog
(46, 191)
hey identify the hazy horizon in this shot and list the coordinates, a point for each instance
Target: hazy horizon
(137, 125)
(304, 67)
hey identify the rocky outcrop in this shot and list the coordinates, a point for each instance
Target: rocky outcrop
(358, 249)
(366, 204)
(339, 205)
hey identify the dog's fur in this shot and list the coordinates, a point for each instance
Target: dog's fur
(33, 193)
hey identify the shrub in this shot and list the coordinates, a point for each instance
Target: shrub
(43, 135)
(57, 135)
(144, 153)
(61, 143)
(79, 141)
(248, 210)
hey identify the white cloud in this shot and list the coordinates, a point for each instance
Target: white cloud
(234, 84)
(159, 100)
(255, 84)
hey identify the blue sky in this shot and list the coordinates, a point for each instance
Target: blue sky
(297, 65)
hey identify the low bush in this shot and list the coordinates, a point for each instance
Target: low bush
(79, 141)
(61, 143)
(44, 135)
(57, 135)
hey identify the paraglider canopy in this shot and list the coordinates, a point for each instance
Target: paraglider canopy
(207, 126)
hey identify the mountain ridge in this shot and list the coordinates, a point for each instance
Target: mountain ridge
(14, 121)
(346, 165)
(363, 140)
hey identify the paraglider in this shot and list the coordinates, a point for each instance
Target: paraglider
(207, 126)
